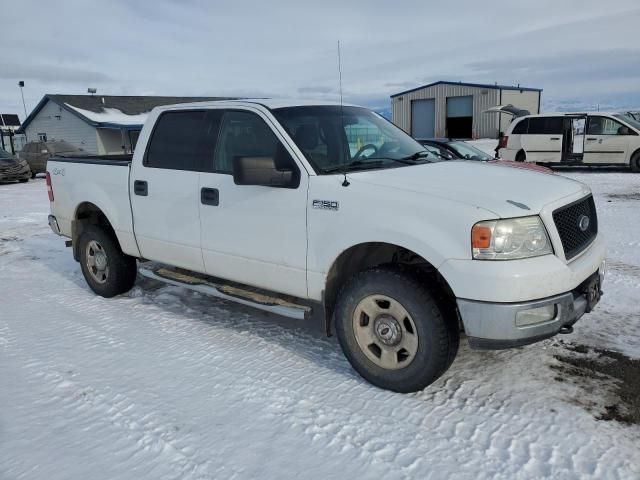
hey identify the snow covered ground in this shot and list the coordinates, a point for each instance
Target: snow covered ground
(163, 383)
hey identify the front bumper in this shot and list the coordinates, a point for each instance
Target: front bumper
(492, 326)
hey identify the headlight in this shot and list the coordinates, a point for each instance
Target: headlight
(510, 239)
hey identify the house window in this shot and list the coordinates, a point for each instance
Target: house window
(42, 137)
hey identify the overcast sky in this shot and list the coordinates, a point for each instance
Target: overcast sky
(580, 52)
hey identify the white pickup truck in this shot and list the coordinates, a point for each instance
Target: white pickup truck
(303, 207)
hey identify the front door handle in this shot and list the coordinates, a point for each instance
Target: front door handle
(555, 138)
(141, 188)
(591, 139)
(210, 196)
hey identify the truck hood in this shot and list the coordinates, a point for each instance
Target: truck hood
(505, 191)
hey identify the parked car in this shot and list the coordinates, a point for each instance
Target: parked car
(12, 168)
(597, 138)
(449, 149)
(311, 210)
(37, 153)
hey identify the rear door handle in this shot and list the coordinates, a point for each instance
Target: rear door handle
(591, 139)
(555, 138)
(210, 196)
(141, 188)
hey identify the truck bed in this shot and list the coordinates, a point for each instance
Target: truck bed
(89, 181)
(120, 160)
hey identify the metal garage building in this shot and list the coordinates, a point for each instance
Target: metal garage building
(456, 110)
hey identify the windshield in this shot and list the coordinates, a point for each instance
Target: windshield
(334, 138)
(469, 152)
(5, 154)
(630, 120)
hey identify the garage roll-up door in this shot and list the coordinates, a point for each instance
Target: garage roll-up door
(460, 107)
(423, 117)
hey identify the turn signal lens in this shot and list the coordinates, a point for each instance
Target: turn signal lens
(481, 236)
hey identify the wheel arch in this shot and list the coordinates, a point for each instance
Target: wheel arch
(88, 213)
(364, 256)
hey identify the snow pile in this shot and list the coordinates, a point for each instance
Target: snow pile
(111, 115)
(164, 383)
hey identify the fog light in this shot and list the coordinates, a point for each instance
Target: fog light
(524, 318)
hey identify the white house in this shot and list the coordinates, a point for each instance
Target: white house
(99, 124)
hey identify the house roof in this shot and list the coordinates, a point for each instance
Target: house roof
(477, 85)
(83, 105)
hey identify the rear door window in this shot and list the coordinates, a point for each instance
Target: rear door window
(545, 125)
(178, 142)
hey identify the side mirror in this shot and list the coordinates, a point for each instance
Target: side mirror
(262, 171)
(624, 130)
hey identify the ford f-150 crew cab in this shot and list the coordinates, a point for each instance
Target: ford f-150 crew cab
(304, 208)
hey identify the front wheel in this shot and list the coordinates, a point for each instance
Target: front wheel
(107, 270)
(521, 156)
(392, 330)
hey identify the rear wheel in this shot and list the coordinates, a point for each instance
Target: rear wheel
(107, 270)
(521, 156)
(392, 330)
(635, 162)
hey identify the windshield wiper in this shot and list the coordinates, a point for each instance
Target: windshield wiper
(418, 156)
(355, 165)
(374, 162)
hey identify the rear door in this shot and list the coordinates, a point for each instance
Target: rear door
(543, 141)
(164, 191)
(256, 235)
(603, 141)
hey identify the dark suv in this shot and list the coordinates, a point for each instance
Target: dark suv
(37, 153)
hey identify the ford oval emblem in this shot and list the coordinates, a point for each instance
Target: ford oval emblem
(583, 223)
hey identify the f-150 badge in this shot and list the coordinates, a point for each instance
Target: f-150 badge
(326, 204)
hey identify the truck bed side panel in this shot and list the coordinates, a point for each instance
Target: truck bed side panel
(103, 182)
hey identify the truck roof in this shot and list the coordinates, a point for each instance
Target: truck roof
(270, 103)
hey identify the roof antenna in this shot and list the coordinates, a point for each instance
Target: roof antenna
(345, 182)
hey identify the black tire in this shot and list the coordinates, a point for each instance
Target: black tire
(122, 269)
(437, 338)
(23, 180)
(635, 162)
(521, 156)
(33, 175)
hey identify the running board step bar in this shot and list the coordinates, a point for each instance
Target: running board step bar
(228, 292)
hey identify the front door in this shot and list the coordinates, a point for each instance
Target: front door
(164, 190)
(544, 139)
(605, 142)
(255, 235)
